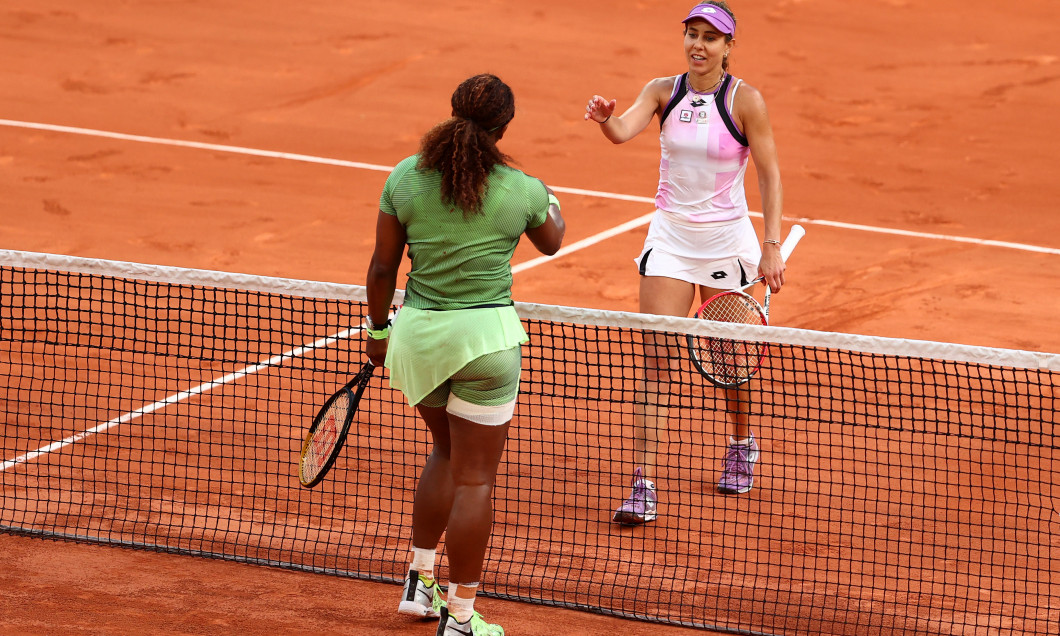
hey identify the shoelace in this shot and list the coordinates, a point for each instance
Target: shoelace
(736, 458)
(641, 492)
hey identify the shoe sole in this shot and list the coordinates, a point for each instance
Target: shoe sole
(735, 491)
(740, 491)
(631, 519)
(412, 608)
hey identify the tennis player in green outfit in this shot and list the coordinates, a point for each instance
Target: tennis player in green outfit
(454, 348)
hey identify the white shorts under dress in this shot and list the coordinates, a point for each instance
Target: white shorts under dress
(722, 255)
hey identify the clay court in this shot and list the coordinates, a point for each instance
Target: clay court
(917, 145)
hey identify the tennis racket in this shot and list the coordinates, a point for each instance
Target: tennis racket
(729, 363)
(330, 426)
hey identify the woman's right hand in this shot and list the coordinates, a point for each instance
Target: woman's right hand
(376, 350)
(599, 109)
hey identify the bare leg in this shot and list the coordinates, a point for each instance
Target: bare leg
(738, 400)
(455, 495)
(434, 491)
(476, 454)
(665, 297)
(738, 403)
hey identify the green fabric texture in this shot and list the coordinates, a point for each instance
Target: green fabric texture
(428, 347)
(489, 380)
(458, 260)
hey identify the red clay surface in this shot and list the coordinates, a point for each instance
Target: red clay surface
(924, 117)
(69, 588)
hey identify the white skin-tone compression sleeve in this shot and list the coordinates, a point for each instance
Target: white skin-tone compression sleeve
(485, 415)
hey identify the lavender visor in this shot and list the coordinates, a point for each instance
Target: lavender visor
(721, 20)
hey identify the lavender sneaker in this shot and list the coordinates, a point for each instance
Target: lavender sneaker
(640, 507)
(738, 474)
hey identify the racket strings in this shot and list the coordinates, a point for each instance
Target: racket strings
(330, 427)
(322, 442)
(732, 307)
(730, 361)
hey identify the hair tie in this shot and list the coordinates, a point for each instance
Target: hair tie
(483, 126)
(498, 127)
(470, 120)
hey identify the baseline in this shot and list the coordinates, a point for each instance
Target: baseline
(566, 190)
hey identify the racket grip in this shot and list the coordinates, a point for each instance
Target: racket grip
(794, 236)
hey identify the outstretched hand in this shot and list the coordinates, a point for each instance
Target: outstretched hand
(599, 109)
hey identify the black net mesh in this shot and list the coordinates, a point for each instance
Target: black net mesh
(895, 493)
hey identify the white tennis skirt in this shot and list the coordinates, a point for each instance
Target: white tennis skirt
(721, 255)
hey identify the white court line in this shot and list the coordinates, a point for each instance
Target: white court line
(194, 144)
(176, 397)
(592, 240)
(582, 244)
(576, 191)
(927, 235)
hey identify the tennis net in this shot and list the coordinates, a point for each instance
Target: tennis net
(903, 486)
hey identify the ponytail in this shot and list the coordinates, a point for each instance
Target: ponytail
(463, 148)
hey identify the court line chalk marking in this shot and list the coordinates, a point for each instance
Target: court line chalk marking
(586, 242)
(575, 191)
(177, 397)
(579, 245)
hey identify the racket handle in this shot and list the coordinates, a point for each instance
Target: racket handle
(794, 236)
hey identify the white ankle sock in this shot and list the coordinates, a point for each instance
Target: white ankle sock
(423, 561)
(461, 608)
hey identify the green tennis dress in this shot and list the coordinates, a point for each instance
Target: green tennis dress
(458, 300)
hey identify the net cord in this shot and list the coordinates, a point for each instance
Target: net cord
(597, 317)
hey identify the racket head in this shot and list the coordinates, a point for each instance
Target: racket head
(327, 434)
(728, 363)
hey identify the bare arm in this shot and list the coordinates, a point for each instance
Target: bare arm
(382, 277)
(750, 112)
(548, 237)
(631, 123)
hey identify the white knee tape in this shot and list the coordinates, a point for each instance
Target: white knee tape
(479, 414)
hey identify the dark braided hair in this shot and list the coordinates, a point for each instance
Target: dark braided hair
(464, 148)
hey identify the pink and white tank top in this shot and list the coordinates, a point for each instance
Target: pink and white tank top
(704, 156)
